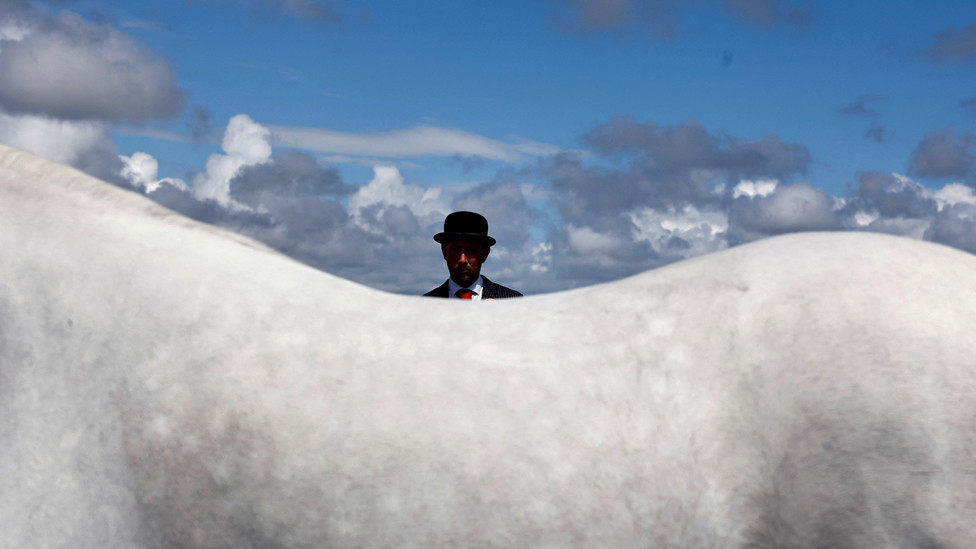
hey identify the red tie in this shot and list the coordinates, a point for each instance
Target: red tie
(464, 294)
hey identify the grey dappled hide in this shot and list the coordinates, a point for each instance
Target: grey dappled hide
(165, 384)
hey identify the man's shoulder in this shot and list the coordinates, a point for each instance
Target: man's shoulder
(497, 291)
(440, 291)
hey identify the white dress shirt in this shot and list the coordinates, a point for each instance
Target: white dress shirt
(478, 288)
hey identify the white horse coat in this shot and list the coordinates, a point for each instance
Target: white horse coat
(166, 384)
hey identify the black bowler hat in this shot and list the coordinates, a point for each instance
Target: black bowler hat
(465, 226)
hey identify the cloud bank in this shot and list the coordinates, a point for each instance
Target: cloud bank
(646, 195)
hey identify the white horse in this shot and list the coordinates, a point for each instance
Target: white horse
(166, 384)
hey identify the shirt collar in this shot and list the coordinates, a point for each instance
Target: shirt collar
(478, 288)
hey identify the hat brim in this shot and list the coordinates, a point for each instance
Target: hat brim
(447, 237)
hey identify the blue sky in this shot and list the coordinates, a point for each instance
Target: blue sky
(601, 137)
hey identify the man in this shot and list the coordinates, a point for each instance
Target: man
(465, 244)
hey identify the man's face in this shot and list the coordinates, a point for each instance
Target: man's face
(464, 259)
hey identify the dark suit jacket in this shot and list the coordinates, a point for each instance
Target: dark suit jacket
(492, 290)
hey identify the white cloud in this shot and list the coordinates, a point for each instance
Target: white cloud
(387, 189)
(142, 171)
(246, 143)
(247, 140)
(587, 242)
(541, 257)
(413, 142)
(954, 193)
(863, 219)
(60, 141)
(762, 187)
(683, 232)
